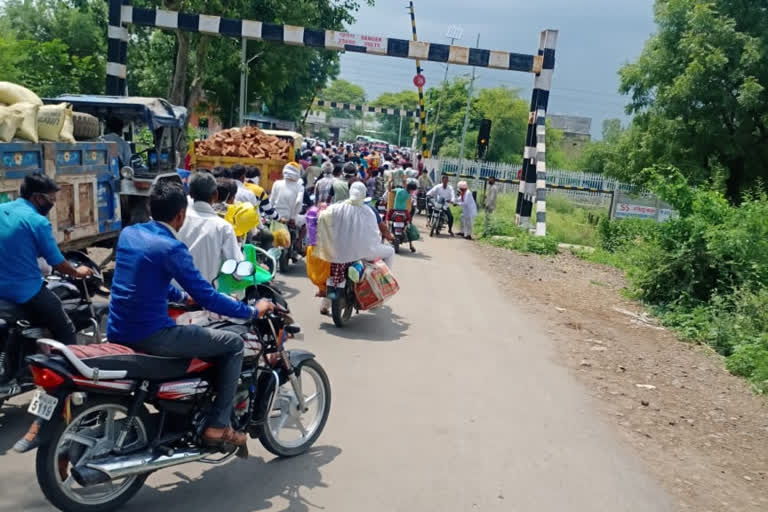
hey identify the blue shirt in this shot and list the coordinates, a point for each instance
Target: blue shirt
(25, 235)
(148, 256)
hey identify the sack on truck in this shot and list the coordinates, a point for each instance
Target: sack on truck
(11, 93)
(27, 130)
(52, 123)
(10, 120)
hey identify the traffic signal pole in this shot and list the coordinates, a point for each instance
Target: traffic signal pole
(422, 107)
(466, 116)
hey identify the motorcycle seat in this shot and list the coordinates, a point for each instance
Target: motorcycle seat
(112, 356)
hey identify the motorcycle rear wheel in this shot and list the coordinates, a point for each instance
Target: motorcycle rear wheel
(63, 492)
(284, 262)
(396, 245)
(341, 311)
(286, 404)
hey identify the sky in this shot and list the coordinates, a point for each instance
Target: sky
(596, 38)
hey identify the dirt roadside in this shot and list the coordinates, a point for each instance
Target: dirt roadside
(700, 430)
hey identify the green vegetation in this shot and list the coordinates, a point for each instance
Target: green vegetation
(705, 273)
(567, 222)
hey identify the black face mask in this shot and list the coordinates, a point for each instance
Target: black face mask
(44, 209)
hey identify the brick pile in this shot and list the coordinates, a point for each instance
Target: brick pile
(246, 142)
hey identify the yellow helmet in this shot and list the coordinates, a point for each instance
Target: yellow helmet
(243, 217)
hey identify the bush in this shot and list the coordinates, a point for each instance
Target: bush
(618, 233)
(523, 242)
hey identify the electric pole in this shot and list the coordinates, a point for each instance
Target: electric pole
(466, 115)
(454, 34)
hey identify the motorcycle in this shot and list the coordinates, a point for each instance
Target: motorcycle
(439, 216)
(421, 201)
(364, 289)
(297, 249)
(100, 441)
(18, 334)
(397, 226)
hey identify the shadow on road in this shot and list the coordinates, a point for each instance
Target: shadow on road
(381, 324)
(14, 422)
(418, 255)
(241, 485)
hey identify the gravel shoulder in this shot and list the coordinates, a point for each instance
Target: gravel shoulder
(700, 430)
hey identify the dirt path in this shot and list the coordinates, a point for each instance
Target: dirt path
(698, 428)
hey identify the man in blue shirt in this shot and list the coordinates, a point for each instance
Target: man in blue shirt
(148, 256)
(25, 236)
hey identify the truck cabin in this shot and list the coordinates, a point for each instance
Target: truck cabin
(154, 129)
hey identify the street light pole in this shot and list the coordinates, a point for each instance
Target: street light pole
(244, 67)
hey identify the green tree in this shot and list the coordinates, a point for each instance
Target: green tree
(342, 91)
(389, 126)
(698, 92)
(612, 130)
(60, 46)
(509, 123)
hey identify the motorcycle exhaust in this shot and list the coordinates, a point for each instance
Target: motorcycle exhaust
(129, 465)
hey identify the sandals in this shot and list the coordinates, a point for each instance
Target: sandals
(219, 437)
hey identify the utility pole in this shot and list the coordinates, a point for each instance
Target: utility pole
(243, 79)
(422, 108)
(454, 34)
(400, 131)
(244, 63)
(466, 116)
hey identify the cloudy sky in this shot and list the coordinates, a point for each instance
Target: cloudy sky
(596, 38)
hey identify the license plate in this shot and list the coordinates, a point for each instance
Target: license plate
(43, 405)
(399, 224)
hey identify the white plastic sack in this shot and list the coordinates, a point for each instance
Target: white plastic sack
(52, 121)
(28, 128)
(10, 120)
(11, 93)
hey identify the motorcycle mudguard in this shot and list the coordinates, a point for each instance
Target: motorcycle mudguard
(299, 356)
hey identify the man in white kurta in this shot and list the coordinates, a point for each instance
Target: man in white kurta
(288, 195)
(468, 209)
(348, 232)
(211, 239)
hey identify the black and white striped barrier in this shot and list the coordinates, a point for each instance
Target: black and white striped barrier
(534, 172)
(121, 13)
(366, 109)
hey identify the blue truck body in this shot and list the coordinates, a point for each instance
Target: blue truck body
(87, 209)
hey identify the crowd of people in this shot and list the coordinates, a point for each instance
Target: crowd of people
(330, 192)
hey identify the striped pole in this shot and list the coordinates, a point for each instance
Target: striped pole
(117, 50)
(535, 142)
(422, 107)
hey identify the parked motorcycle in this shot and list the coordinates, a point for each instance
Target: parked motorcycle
(18, 334)
(439, 216)
(100, 441)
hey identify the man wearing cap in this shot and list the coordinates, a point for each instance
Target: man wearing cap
(24, 227)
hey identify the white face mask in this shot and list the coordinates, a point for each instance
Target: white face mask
(256, 180)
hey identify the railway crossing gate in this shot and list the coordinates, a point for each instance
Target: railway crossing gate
(541, 64)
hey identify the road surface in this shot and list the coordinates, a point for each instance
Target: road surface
(447, 399)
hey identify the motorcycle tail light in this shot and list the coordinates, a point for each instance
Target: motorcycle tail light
(45, 378)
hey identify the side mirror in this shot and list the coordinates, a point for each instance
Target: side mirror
(126, 172)
(228, 267)
(245, 269)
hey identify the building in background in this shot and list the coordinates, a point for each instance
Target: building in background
(577, 132)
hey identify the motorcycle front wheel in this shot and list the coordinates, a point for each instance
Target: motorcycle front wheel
(289, 431)
(284, 262)
(91, 434)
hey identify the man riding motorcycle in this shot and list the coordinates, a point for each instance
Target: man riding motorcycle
(148, 257)
(24, 226)
(288, 195)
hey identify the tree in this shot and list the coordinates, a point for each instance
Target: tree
(389, 126)
(509, 123)
(698, 92)
(612, 130)
(342, 91)
(56, 46)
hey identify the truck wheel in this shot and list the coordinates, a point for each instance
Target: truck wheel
(85, 126)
